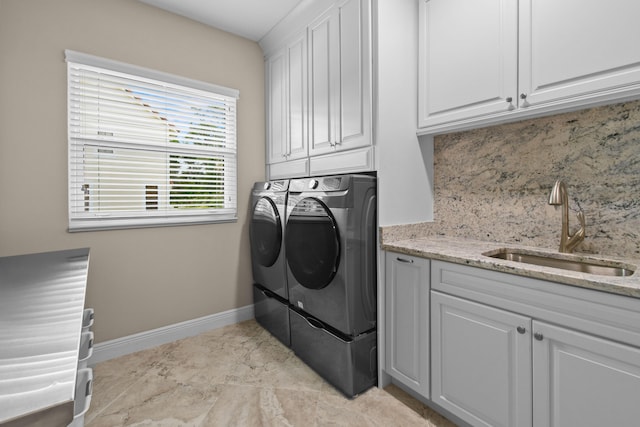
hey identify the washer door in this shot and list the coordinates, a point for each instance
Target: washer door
(312, 243)
(265, 232)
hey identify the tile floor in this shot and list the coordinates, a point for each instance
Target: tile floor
(238, 375)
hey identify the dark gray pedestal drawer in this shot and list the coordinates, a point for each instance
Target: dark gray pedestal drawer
(347, 363)
(272, 313)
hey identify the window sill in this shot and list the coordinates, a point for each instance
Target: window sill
(102, 224)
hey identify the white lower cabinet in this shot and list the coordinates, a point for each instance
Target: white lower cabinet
(582, 380)
(514, 351)
(481, 362)
(407, 321)
(496, 349)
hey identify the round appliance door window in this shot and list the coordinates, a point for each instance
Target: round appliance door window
(312, 244)
(265, 232)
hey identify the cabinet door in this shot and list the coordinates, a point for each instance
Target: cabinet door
(340, 81)
(577, 48)
(581, 380)
(277, 107)
(354, 95)
(481, 362)
(467, 59)
(297, 98)
(323, 82)
(407, 321)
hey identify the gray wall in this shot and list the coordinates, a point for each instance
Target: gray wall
(139, 279)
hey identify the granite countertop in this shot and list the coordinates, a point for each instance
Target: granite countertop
(41, 307)
(470, 252)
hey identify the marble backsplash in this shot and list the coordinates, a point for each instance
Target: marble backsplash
(493, 183)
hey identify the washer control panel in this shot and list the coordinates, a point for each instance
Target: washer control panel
(322, 183)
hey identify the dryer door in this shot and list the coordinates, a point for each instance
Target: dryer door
(265, 232)
(312, 243)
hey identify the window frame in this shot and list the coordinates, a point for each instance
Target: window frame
(81, 221)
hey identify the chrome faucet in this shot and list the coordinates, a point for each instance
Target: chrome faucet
(559, 197)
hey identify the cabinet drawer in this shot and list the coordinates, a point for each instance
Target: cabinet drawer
(611, 316)
(82, 401)
(291, 169)
(86, 349)
(87, 319)
(360, 160)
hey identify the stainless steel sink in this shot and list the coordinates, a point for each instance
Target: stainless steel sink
(599, 267)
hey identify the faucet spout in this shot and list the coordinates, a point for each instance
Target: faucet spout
(560, 197)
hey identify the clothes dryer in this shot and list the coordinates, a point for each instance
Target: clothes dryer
(268, 210)
(330, 242)
(266, 231)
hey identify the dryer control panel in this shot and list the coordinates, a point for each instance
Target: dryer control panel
(323, 183)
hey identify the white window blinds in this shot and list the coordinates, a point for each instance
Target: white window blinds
(147, 148)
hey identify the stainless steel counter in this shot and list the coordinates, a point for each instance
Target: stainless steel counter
(41, 306)
(470, 252)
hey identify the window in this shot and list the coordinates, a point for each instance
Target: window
(147, 148)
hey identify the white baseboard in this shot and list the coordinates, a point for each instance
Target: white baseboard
(155, 337)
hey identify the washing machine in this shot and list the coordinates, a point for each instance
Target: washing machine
(266, 231)
(330, 242)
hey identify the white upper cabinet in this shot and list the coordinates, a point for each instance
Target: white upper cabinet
(319, 90)
(339, 79)
(489, 61)
(577, 48)
(287, 102)
(324, 81)
(276, 108)
(297, 132)
(468, 59)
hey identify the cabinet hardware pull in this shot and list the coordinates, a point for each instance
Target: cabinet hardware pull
(521, 329)
(315, 324)
(509, 99)
(410, 261)
(538, 336)
(523, 96)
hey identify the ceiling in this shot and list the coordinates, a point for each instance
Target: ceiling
(251, 19)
